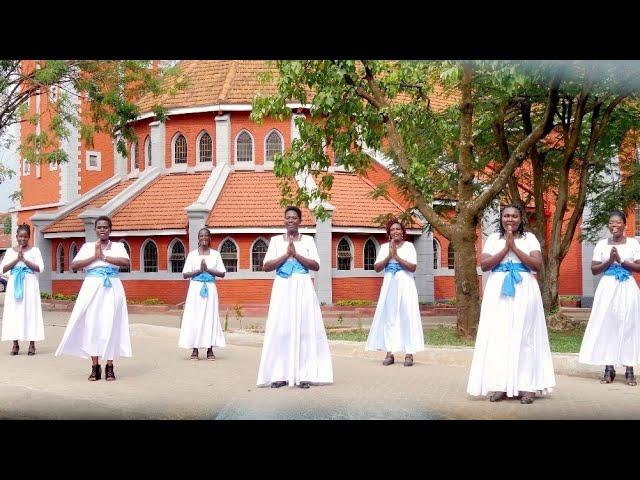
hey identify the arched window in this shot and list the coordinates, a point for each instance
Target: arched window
(176, 256)
(258, 252)
(134, 156)
(450, 257)
(60, 258)
(244, 148)
(369, 254)
(180, 150)
(73, 251)
(344, 255)
(128, 249)
(150, 257)
(436, 254)
(205, 151)
(229, 254)
(147, 151)
(637, 212)
(273, 145)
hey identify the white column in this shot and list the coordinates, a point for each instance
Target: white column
(424, 272)
(223, 139)
(158, 139)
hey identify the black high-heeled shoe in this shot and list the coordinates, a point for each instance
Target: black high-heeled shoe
(109, 375)
(96, 373)
(630, 377)
(609, 374)
(497, 396)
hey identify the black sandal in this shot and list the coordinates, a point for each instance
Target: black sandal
(304, 385)
(210, 355)
(497, 396)
(609, 374)
(408, 360)
(109, 375)
(96, 373)
(194, 354)
(278, 384)
(388, 360)
(15, 349)
(630, 377)
(32, 350)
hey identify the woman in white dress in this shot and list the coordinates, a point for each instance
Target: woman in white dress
(512, 355)
(612, 336)
(22, 316)
(201, 319)
(99, 323)
(295, 350)
(397, 326)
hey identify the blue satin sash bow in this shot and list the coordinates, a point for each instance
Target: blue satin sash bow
(392, 267)
(105, 273)
(18, 286)
(618, 271)
(512, 277)
(289, 267)
(204, 277)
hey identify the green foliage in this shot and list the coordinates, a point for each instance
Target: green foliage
(7, 225)
(152, 301)
(58, 296)
(354, 303)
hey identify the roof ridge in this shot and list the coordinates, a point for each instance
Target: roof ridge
(228, 81)
(142, 190)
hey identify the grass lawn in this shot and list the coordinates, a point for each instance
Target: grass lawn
(446, 336)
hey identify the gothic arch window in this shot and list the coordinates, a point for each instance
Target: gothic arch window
(229, 254)
(344, 254)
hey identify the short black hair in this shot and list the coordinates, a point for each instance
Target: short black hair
(105, 218)
(619, 213)
(295, 209)
(25, 227)
(204, 229)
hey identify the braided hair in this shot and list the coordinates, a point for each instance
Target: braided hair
(520, 209)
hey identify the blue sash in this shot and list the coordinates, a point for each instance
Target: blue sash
(289, 267)
(392, 267)
(618, 271)
(18, 285)
(512, 277)
(204, 277)
(105, 273)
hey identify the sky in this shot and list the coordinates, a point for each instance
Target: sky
(9, 158)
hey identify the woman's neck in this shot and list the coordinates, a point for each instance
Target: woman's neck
(293, 235)
(204, 249)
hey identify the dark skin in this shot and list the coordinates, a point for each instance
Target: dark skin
(102, 247)
(292, 224)
(396, 242)
(511, 220)
(616, 228)
(23, 246)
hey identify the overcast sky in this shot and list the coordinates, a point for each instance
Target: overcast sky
(9, 159)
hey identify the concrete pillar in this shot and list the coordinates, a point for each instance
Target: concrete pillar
(223, 139)
(589, 281)
(323, 276)
(119, 162)
(424, 272)
(197, 215)
(158, 138)
(40, 222)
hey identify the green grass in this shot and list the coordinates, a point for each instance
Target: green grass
(446, 337)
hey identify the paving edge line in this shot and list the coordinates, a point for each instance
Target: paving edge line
(563, 363)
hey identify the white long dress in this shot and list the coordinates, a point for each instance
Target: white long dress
(397, 326)
(612, 336)
(512, 351)
(201, 319)
(295, 345)
(22, 319)
(99, 322)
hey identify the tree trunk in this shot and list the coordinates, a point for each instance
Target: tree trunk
(548, 282)
(466, 278)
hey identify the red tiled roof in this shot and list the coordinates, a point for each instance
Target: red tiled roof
(251, 199)
(71, 223)
(161, 205)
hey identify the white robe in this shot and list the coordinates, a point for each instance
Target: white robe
(22, 319)
(295, 345)
(512, 351)
(201, 319)
(397, 326)
(99, 322)
(612, 336)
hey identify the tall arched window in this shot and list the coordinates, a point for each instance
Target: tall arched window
(436, 254)
(450, 256)
(150, 257)
(344, 255)
(244, 148)
(205, 152)
(273, 145)
(128, 249)
(176, 256)
(369, 254)
(73, 251)
(147, 151)
(60, 258)
(258, 252)
(229, 254)
(134, 156)
(180, 150)
(637, 229)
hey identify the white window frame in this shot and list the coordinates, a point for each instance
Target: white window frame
(26, 168)
(237, 250)
(269, 164)
(204, 165)
(73, 244)
(437, 256)
(88, 165)
(147, 153)
(376, 244)
(244, 165)
(174, 165)
(351, 248)
(170, 247)
(142, 247)
(124, 242)
(265, 240)
(133, 154)
(59, 249)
